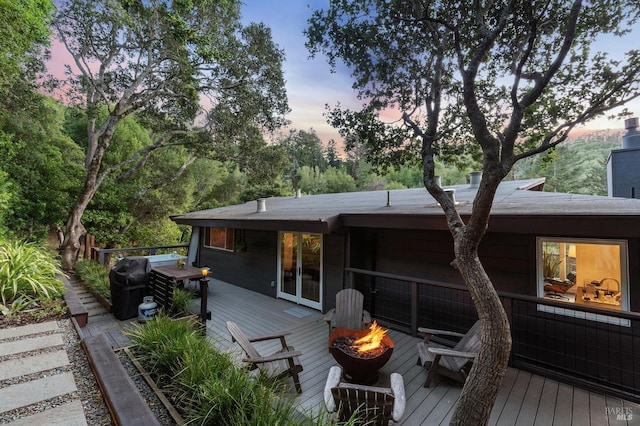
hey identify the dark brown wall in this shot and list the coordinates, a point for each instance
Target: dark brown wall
(257, 267)
(253, 269)
(428, 255)
(334, 257)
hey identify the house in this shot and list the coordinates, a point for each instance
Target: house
(566, 266)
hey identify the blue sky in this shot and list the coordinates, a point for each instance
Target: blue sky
(311, 85)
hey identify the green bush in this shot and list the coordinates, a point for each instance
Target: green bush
(204, 384)
(95, 277)
(27, 273)
(182, 299)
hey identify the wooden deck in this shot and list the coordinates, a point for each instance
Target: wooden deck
(523, 399)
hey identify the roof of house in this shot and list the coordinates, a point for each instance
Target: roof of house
(329, 212)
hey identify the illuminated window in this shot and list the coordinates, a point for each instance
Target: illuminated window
(586, 272)
(219, 238)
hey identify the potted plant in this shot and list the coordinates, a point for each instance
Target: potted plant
(180, 263)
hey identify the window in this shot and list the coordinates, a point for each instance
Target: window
(220, 238)
(584, 272)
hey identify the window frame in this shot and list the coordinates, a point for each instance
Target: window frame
(624, 280)
(229, 238)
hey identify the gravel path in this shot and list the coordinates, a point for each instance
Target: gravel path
(87, 391)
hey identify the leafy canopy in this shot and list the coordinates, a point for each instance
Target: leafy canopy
(523, 71)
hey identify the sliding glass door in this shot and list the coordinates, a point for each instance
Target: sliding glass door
(300, 268)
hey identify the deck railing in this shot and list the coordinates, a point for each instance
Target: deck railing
(102, 255)
(594, 348)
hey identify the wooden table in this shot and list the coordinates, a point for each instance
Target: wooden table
(179, 275)
(163, 294)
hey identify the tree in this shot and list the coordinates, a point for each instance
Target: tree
(36, 154)
(188, 69)
(24, 30)
(506, 79)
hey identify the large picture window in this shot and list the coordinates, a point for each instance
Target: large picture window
(586, 272)
(219, 238)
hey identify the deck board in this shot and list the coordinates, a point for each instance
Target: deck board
(523, 398)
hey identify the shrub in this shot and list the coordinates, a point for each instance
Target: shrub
(27, 273)
(204, 384)
(95, 277)
(182, 299)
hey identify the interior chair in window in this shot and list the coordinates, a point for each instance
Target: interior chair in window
(349, 312)
(278, 365)
(454, 362)
(373, 405)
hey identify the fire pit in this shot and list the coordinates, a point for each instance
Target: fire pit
(361, 353)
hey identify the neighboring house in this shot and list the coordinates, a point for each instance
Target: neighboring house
(566, 266)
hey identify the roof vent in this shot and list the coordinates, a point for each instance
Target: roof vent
(631, 139)
(262, 205)
(451, 193)
(298, 193)
(474, 179)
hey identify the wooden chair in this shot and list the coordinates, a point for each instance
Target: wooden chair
(278, 365)
(454, 362)
(371, 405)
(349, 312)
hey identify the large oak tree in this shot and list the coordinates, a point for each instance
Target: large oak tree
(505, 78)
(188, 69)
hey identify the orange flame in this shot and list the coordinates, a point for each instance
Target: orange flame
(371, 340)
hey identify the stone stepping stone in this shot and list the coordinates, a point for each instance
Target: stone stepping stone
(31, 344)
(69, 414)
(33, 364)
(25, 330)
(23, 394)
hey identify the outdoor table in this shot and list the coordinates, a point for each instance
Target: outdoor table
(170, 274)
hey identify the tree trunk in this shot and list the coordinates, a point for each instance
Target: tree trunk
(74, 227)
(481, 387)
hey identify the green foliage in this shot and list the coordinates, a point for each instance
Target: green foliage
(338, 180)
(501, 79)
(311, 180)
(182, 300)
(578, 167)
(175, 54)
(24, 30)
(204, 382)
(95, 277)
(37, 155)
(27, 272)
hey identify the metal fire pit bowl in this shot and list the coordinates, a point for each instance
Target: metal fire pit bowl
(363, 371)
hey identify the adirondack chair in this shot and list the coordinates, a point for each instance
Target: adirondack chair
(374, 405)
(452, 362)
(349, 311)
(278, 365)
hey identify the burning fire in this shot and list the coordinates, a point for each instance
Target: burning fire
(371, 340)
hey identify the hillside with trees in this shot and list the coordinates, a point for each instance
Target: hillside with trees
(43, 146)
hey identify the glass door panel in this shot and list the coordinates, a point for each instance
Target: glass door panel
(311, 261)
(300, 268)
(288, 266)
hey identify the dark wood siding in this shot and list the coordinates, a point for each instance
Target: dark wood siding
(508, 258)
(334, 255)
(254, 269)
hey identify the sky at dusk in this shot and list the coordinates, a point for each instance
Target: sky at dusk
(310, 83)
